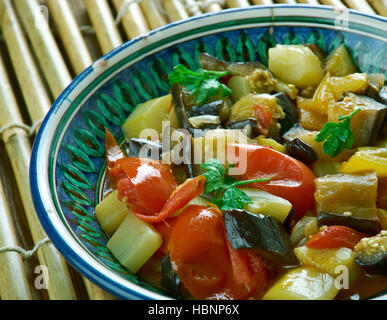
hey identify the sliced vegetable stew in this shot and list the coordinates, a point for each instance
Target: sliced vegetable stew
(247, 182)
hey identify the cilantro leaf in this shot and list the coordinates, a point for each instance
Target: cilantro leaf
(227, 195)
(337, 136)
(203, 84)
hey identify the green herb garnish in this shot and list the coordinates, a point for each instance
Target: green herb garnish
(338, 136)
(202, 84)
(224, 187)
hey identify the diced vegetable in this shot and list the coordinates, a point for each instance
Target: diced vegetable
(290, 110)
(262, 141)
(339, 62)
(250, 125)
(375, 85)
(312, 120)
(369, 226)
(367, 160)
(296, 64)
(267, 204)
(211, 108)
(371, 253)
(304, 228)
(261, 233)
(366, 123)
(142, 148)
(110, 212)
(303, 283)
(301, 151)
(335, 237)
(134, 242)
(148, 115)
(205, 121)
(328, 260)
(382, 216)
(356, 83)
(325, 167)
(240, 87)
(341, 193)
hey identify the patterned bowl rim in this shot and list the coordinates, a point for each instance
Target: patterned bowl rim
(285, 15)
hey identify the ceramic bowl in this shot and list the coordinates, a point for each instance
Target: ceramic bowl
(67, 172)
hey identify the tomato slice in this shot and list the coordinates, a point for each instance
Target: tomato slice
(147, 184)
(289, 178)
(335, 237)
(264, 117)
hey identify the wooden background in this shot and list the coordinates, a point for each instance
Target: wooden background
(43, 46)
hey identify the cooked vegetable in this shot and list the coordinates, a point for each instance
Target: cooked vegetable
(303, 283)
(375, 85)
(382, 216)
(113, 153)
(266, 203)
(249, 124)
(371, 253)
(337, 136)
(268, 142)
(369, 226)
(290, 179)
(367, 123)
(264, 118)
(341, 193)
(328, 260)
(289, 108)
(182, 114)
(169, 278)
(261, 233)
(339, 62)
(205, 122)
(110, 212)
(296, 64)
(227, 196)
(240, 87)
(364, 160)
(304, 228)
(148, 115)
(312, 120)
(301, 151)
(200, 256)
(142, 148)
(211, 108)
(356, 83)
(335, 237)
(134, 242)
(325, 167)
(202, 84)
(381, 200)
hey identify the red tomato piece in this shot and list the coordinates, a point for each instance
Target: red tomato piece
(264, 117)
(335, 237)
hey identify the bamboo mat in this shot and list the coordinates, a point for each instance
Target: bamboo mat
(43, 46)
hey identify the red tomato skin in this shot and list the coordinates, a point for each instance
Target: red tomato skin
(290, 178)
(335, 237)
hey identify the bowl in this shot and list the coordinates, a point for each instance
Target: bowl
(67, 173)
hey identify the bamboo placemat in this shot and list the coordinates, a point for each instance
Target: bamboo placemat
(43, 46)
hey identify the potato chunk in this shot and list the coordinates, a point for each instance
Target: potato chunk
(134, 242)
(296, 64)
(304, 283)
(354, 193)
(148, 115)
(110, 212)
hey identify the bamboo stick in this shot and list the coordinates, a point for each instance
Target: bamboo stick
(153, 13)
(133, 20)
(193, 8)
(33, 90)
(17, 145)
(211, 6)
(104, 26)
(44, 45)
(334, 3)
(314, 2)
(175, 10)
(70, 34)
(265, 2)
(361, 5)
(13, 280)
(286, 1)
(237, 3)
(380, 6)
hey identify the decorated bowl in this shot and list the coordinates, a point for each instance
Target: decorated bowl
(67, 172)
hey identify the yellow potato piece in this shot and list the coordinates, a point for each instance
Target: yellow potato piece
(110, 212)
(303, 283)
(134, 242)
(148, 115)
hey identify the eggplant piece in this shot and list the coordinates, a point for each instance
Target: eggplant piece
(369, 226)
(290, 110)
(180, 109)
(301, 151)
(249, 124)
(205, 122)
(375, 84)
(142, 148)
(211, 108)
(209, 62)
(371, 253)
(260, 233)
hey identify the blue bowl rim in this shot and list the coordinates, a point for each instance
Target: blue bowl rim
(117, 288)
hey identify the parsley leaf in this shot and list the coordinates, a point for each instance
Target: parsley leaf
(337, 136)
(203, 84)
(227, 196)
